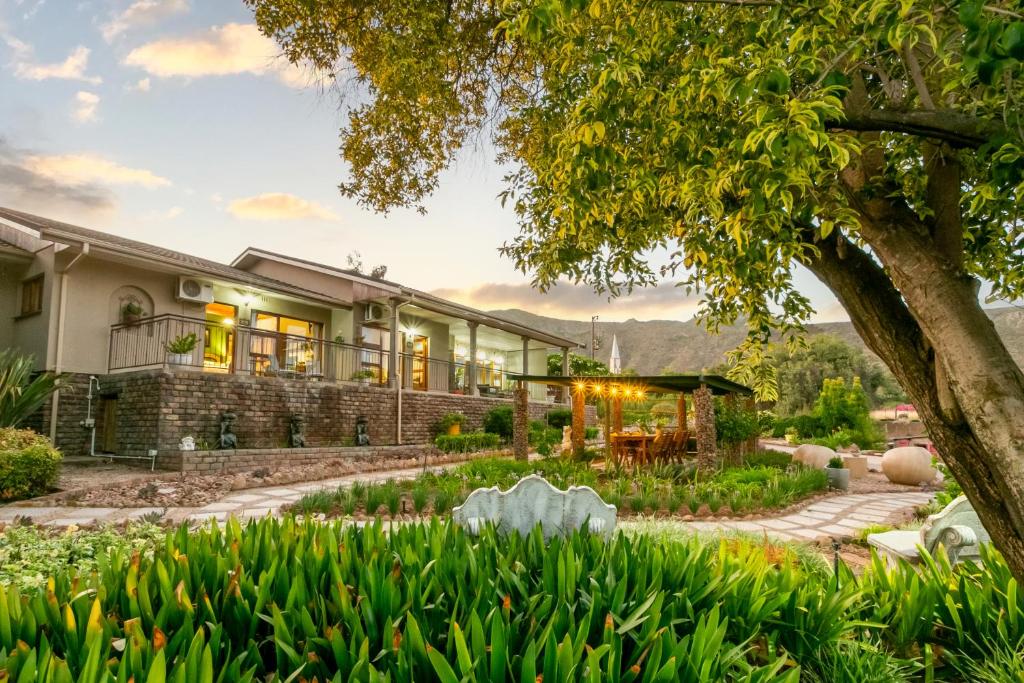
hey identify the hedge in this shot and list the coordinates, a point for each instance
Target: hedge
(467, 443)
(29, 464)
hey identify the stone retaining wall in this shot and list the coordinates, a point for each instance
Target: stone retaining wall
(156, 408)
(245, 459)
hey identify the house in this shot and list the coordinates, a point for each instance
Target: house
(276, 336)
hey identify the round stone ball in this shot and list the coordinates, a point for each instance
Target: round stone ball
(812, 456)
(909, 465)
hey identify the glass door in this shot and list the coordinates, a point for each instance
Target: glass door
(219, 337)
(420, 365)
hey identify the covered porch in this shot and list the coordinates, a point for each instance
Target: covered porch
(615, 390)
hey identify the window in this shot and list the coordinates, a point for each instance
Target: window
(32, 296)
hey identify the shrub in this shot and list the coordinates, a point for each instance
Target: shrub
(766, 422)
(734, 424)
(591, 432)
(499, 421)
(559, 418)
(182, 344)
(447, 422)
(467, 443)
(29, 464)
(835, 463)
(766, 458)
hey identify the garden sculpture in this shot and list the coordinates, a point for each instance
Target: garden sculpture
(295, 431)
(362, 431)
(227, 430)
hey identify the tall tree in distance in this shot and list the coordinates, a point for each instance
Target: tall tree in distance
(876, 142)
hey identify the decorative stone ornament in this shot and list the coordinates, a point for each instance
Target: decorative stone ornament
(296, 427)
(227, 430)
(812, 456)
(534, 501)
(566, 440)
(187, 443)
(909, 465)
(362, 431)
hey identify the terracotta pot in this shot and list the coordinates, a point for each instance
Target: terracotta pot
(455, 429)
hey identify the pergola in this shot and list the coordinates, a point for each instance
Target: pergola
(617, 389)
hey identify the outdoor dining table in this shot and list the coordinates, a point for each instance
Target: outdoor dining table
(637, 442)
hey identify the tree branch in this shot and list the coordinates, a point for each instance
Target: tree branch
(954, 127)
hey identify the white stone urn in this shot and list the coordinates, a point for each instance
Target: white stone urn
(179, 358)
(813, 456)
(909, 465)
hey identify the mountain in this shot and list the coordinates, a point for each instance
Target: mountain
(652, 346)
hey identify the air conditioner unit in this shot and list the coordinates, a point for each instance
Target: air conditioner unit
(190, 289)
(374, 313)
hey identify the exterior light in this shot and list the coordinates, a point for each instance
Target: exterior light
(581, 386)
(598, 388)
(460, 351)
(480, 355)
(614, 391)
(229, 321)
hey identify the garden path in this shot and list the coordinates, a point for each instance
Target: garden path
(836, 516)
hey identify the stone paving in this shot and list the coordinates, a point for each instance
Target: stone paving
(836, 517)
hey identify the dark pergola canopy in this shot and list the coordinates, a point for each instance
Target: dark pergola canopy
(719, 386)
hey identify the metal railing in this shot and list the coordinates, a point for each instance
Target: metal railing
(242, 349)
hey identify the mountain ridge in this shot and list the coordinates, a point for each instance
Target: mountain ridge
(651, 347)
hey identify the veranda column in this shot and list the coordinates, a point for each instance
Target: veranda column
(617, 414)
(521, 421)
(393, 368)
(565, 373)
(471, 387)
(704, 417)
(681, 414)
(578, 420)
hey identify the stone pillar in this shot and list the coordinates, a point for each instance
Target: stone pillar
(393, 351)
(521, 421)
(471, 387)
(704, 418)
(681, 412)
(578, 420)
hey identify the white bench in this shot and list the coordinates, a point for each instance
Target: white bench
(956, 528)
(534, 501)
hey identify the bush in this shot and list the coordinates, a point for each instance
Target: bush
(591, 432)
(560, 418)
(29, 464)
(467, 443)
(766, 458)
(499, 421)
(766, 422)
(733, 424)
(448, 421)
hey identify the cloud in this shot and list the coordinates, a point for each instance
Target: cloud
(219, 51)
(86, 104)
(143, 85)
(73, 68)
(83, 169)
(23, 187)
(278, 206)
(141, 13)
(664, 301)
(169, 214)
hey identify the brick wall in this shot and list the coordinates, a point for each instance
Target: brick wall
(156, 408)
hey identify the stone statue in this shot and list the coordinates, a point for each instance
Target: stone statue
(566, 440)
(227, 430)
(295, 429)
(362, 431)
(187, 443)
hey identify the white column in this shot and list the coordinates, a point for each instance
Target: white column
(472, 388)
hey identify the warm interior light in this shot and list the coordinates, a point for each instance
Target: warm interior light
(229, 321)
(480, 355)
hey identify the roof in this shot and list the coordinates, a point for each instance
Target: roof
(420, 298)
(65, 233)
(667, 383)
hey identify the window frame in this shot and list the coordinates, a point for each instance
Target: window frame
(29, 285)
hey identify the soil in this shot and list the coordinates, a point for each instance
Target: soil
(121, 486)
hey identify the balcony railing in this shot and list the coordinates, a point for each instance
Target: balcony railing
(241, 349)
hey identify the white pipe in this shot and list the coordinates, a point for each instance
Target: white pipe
(399, 382)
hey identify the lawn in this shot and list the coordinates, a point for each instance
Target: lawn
(279, 600)
(766, 481)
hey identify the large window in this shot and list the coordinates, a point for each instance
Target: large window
(32, 296)
(296, 352)
(219, 337)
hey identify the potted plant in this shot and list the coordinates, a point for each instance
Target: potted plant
(451, 424)
(363, 377)
(131, 313)
(838, 475)
(179, 351)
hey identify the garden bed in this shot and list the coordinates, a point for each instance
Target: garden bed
(665, 490)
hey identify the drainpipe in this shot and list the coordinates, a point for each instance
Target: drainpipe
(58, 366)
(396, 372)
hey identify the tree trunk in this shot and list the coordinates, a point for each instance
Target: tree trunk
(934, 336)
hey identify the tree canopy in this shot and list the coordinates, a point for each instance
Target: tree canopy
(876, 142)
(578, 365)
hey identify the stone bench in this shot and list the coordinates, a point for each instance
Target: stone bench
(534, 501)
(956, 528)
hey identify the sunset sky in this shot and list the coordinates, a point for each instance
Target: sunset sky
(173, 122)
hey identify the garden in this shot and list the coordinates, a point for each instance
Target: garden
(766, 481)
(289, 600)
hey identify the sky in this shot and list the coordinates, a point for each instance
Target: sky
(175, 122)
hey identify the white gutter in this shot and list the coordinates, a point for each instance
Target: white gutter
(58, 365)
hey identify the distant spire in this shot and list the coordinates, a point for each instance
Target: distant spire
(615, 363)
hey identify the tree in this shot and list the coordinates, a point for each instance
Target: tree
(578, 365)
(875, 142)
(801, 372)
(355, 262)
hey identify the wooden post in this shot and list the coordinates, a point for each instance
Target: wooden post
(704, 419)
(578, 420)
(617, 414)
(521, 421)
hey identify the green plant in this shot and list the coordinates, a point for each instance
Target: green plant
(498, 421)
(766, 458)
(590, 433)
(22, 391)
(559, 418)
(362, 374)
(29, 464)
(835, 463)
(467, 443)
(182, 344)
(131, 308)
(375, 497)
(420, 495)
(448, 421)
